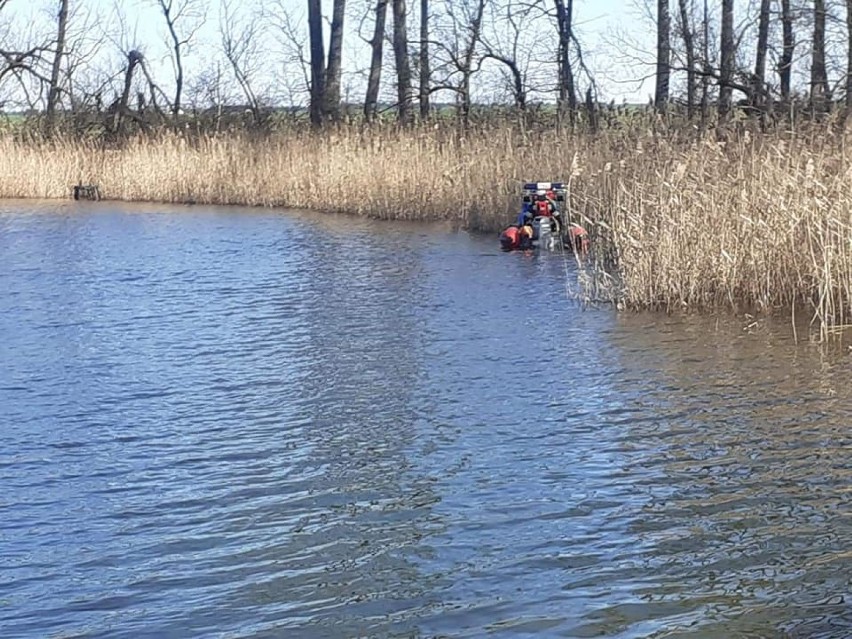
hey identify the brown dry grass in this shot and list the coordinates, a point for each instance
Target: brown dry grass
(757, 223)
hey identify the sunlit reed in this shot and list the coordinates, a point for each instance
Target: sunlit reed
(756, 222)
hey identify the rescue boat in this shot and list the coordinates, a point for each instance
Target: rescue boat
(541, 225)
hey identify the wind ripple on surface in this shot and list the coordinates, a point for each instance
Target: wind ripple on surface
(256, 424)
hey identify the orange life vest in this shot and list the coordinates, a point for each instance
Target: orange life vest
(510, 238)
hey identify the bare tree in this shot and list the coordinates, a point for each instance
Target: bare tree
(467, 19)
(148, 110)
(820, 91)
(403, 68)
(458, 55)
(25, 63)
(295, 78)
(727, 55)
(153, 92)
(376, 44)
(691, 55)
(82, 82)
(425, 73)
(240, 41)
(335, 54)
(317, 61)
(507, 47)
(76, 68)
(207, 91)
(706, 70)
(56, 68)
(460, 42)
(193, 13)
(567, 91)
(848, 57)
(759, 95)
(661, 91)
(134, 58)
(785, 65)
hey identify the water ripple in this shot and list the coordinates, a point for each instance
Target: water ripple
(259, 424)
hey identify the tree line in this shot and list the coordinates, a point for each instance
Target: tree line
(447, 56)
(712, 58)
(785, 31)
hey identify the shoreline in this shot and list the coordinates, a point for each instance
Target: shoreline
(757, 220)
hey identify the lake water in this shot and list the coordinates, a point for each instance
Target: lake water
(249, 423)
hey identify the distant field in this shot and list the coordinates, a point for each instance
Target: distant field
(10, 122)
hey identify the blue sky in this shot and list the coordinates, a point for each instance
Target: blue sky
(617, 42)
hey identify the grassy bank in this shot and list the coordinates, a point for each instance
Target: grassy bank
(758, 222)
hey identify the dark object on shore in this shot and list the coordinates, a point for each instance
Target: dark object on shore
(87, 192)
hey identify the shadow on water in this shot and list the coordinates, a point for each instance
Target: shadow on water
(251, 423)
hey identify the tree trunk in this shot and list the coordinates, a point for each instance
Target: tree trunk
(661, 92)
(335, 56)
(475, 30)
(705, 76)
(178, 80)
(567, 92)
(785, 64)
(849, 57)
(727, 59)
(689, 45)
(53, 91)
(166, 8)
(759, 95)
(592, 111)
(133, 59)
(317, 61)
(403, 68)
(519, 92)
(820, 92)
(425, 73)
(376, 61)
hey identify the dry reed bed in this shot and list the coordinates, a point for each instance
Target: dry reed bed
(754, 224)
(758, 223)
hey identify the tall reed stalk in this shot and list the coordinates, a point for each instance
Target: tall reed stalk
(760, 222)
